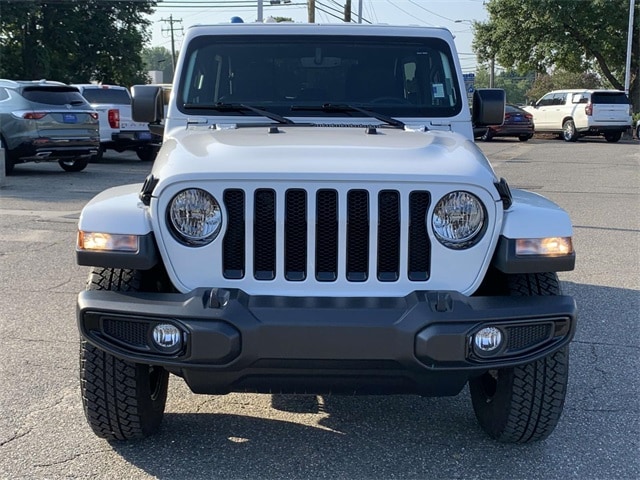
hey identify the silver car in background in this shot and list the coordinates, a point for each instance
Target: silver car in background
(46, 121)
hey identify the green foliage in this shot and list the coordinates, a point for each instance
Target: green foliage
(562, 79)
(514, 84)
(158, 58)
(74, 41)
(574, 36)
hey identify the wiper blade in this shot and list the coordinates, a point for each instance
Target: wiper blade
(239, 107)
(337, 107)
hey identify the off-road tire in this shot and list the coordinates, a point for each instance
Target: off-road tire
(74, 165)
(122, 400)
(523, 404)
(569, 132)
(613, 137)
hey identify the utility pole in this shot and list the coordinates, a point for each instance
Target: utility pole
(311, 11)
(171, 21)
(347, 11)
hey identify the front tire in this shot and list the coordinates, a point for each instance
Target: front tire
(523, 404)
(524, 138)
(122, 400)
(74, 165)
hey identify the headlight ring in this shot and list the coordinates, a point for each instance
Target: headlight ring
(459, 220)
(194, 217)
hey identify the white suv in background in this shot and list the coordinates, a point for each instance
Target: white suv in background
(118, 131)
(574, 113)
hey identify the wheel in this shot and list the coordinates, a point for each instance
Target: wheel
(524, 138)
(147, 154)
(613, 137)
(9, 161)
(569, 133)
(98, 156)
(121, 400)
(74, 165)
(523, 404)
(487, 136)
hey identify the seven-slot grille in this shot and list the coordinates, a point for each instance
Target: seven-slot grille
(323, 216)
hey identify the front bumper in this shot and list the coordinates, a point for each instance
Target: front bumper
(231, 341)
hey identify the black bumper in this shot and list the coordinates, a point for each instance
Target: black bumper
(420, 343)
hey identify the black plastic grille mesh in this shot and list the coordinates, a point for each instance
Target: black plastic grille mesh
(388, 236)
(233, 256)
(357, 235)
(325, 227)
(527, 336)
(132, 333)
(295, 231)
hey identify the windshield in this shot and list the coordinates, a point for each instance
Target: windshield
(399, 77)
(107, 95)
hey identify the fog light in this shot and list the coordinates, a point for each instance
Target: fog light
(167, 336)
(487, 341)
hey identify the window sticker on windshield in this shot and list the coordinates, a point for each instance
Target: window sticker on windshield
(438, 90)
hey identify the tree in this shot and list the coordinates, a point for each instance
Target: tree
(158, 58)
(578, 37)
(74, 41)
(514, 84)
(561, 80)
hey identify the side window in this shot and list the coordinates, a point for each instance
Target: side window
(546, 100)
(559, 98)
(579, 98)
(3, 94)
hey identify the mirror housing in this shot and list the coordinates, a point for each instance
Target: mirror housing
(148, 105)
(488, 107)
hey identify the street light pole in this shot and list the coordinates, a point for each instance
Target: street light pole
(627, 75)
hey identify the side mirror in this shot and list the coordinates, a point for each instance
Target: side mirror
(149, 105)
(532, 103)
(488, 107)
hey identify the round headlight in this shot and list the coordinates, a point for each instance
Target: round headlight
(458, 220)
(195, 217)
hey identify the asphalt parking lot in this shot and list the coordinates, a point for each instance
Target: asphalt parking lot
(43, 433)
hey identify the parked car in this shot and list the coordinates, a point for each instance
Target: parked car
(117, 129)
(517, 123)
(575, 113)
(46, 121)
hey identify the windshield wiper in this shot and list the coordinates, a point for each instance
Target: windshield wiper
(239, 107)
(333, 107)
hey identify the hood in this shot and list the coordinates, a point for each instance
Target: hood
(321, 153)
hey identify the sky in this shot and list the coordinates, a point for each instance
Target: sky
(442, 13)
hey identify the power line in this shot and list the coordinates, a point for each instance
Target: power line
(171, 21)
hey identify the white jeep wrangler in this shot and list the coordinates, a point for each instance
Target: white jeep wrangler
(319, 220)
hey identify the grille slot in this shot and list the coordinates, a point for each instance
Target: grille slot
(308, 240)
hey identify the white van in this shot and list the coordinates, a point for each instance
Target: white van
(576, 112)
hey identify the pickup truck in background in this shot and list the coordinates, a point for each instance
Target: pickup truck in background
(118, 131)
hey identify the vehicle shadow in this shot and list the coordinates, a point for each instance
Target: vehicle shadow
(382, 437)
